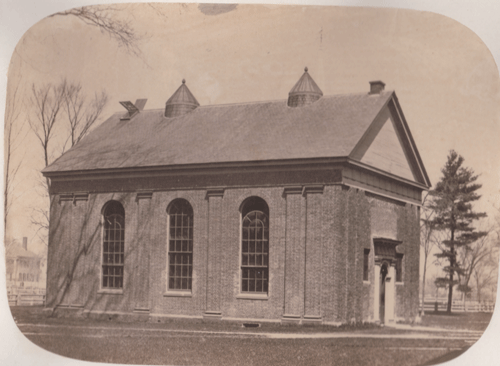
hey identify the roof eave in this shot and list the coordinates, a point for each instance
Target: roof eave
(187, 167)
(387, 174)
(198, 168)
(428, 183)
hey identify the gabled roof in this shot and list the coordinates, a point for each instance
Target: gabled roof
(252, 132)
(18, 251)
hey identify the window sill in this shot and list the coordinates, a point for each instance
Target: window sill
(366, 282)
(400, 283)
(110, 292)
(178, 294)
(253, 296)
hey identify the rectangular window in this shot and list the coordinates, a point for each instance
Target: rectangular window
(366, 256)
(399, 267)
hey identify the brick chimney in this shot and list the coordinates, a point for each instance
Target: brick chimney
(376, 87)
(25, 243)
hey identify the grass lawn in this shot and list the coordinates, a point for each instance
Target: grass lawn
(462, 321)
(148, 342)
(34, 314)
(178, 350)
(457, 321)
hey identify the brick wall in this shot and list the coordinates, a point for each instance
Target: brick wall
(317, 240)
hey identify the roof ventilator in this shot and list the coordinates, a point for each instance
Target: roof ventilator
(181, 102)
(132, 108)
(305, 91)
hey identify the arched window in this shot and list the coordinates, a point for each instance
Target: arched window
(180, 245)
(113, 246)
(255, 246)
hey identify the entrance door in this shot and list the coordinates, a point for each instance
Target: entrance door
(383, 274)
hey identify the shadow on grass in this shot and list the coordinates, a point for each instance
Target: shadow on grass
(445, 358)
(466, 321)
(36, 315)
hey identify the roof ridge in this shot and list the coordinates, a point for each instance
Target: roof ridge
(275, 100)
(245, 103)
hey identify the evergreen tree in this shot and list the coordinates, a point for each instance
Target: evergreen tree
(452, 203)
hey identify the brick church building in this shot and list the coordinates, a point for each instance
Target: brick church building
(301, 210)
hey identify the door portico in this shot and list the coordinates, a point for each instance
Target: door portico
(385, 278)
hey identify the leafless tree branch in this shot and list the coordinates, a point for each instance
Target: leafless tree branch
(477, 263)
(13, 137)
(157, 10)
(40, 219)
(47, 102)
(103, 17)
(428, 236)
(82, 114)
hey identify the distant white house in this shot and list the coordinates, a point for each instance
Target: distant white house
(26, 271)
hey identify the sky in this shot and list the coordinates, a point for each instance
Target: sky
(443, 73)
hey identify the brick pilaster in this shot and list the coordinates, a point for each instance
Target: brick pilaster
(143, 246)
(294, 254)
(214, 253)
(313, 252)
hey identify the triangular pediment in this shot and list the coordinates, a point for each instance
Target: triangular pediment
(387, 154)
(387, 145)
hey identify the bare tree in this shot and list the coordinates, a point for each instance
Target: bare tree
(104, 18)
(50, 104)
(40, 219)
(82, 114)
(486, 274)
(13, 130)
(471, 259)
(47, 102)
(427, 238)
(496, 226)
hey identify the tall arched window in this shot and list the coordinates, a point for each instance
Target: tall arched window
(180, 245)
(113, 246)
(255, 246)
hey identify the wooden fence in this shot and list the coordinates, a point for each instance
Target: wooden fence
(26, 299)
(458, 306)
